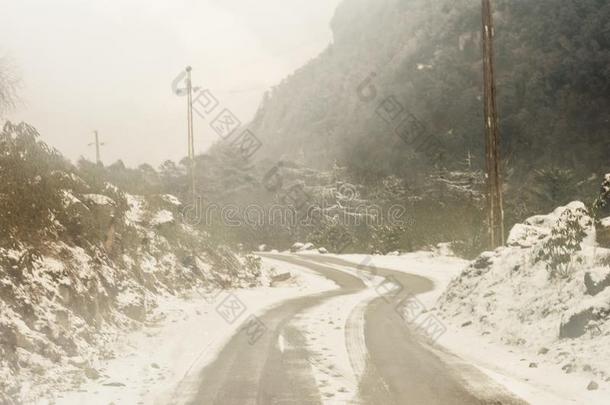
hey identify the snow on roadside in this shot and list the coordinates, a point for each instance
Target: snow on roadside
(440, 269)
(160, 364)
(508, 365)
(533, 314)
(330, 330)
(339, 352)
(335, 330)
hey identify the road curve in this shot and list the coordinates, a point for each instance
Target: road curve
(400, 367)
(403, 368)
(245, 374)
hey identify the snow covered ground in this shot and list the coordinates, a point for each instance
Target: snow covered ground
(534, 375)
(332, 332)
(439, 268)
(160, 363)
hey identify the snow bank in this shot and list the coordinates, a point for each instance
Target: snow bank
(99, 199)
(62, 306)
(161, 363)
(533, 297)
(437, 267)
(162, 217)
(173, 200)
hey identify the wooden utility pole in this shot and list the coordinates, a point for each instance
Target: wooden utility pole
(191, 137)
(97, 144)
(492, 142)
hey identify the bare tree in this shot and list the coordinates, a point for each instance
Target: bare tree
(9, 83)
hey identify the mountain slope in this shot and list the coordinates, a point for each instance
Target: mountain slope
(553, 80)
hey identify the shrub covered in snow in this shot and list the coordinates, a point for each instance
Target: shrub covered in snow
(602, 213)
(30, 199)
(602, 204)
(559, 250)
(81, 260)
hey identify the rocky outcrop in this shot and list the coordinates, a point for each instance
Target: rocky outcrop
(603, 232)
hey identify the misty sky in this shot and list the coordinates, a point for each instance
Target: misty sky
(108, 65)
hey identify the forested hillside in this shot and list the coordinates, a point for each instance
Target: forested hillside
(399, 71)
(553, 84)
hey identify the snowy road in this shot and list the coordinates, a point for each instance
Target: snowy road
(298, 361)
(265, 372)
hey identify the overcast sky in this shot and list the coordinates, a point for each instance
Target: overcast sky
(108, 65)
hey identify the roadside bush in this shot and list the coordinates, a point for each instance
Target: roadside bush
(387, 238)
(560, 250)
(601, 207)
(253, 264)
(29, 198)
(333, 234)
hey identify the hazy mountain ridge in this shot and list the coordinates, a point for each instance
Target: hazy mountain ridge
(553, 101)
(553, 81)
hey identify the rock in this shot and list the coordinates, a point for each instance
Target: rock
(468, 323)
(592, 386)
(154, 365)
(445, 249)
(587, 368)
(66, 343)
(279, 278)
(576, 325)
(322, 251)
(135, 311)
(296, 247)
(300, 247)
(78, 361)
(568, 368)
(483, 261)
(543, 350)
(526, 235)
(262, 248)
(62, 318)
(602, 230)
(594, 284)
(131, 303)
(114, 384)
(533, 365)
(92, 373)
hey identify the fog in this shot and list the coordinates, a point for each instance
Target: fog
(420, 214)
(108, 66)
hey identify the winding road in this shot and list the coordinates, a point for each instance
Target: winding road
(399, 365)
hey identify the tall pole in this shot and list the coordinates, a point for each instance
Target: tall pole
(492, 143)
(191, 140)
(97, 145)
